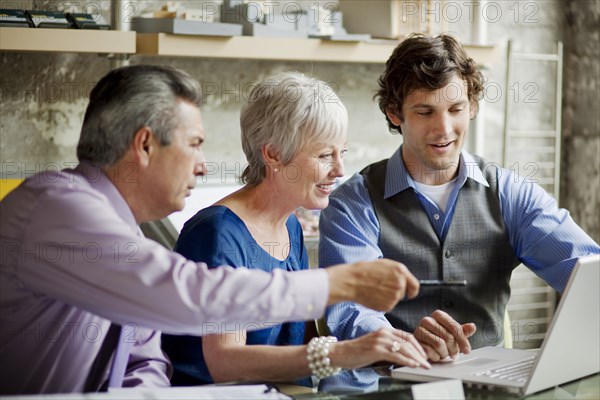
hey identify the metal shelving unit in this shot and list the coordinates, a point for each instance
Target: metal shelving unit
(533, 152)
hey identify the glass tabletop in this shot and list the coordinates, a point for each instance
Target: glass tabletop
(376, 383)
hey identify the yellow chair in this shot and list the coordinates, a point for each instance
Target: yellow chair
(322, 328)
(7, 185)
(508, 337)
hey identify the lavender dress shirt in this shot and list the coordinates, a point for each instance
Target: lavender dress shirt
(72, 261)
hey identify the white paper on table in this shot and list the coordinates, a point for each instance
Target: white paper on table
(439, 390)
(226, 392)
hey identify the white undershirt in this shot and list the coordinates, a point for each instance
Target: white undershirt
(439, 194)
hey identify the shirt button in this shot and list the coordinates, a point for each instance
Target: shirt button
(449, 254)
(309, 308)
(436, 216)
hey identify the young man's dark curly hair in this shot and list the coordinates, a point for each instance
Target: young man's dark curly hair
(423, 62)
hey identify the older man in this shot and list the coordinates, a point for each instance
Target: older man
(73, 258)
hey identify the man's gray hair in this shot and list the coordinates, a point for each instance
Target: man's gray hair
(127, 99)
(288, 111)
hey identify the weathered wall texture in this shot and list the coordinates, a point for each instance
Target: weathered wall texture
(580, 180)
(44, 95)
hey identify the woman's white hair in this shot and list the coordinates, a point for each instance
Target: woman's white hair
(288, 111)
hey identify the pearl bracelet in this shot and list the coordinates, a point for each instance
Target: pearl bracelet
(317, 354)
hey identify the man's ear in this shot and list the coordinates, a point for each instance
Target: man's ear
(473, 109)
(391, 113)
(144, 146)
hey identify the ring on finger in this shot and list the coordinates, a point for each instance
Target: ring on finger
(395, 346)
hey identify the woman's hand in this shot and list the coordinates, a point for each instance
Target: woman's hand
(386, 344)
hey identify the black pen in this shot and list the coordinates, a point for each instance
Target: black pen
(436, 282)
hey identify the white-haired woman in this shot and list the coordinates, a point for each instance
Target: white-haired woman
(294, 138)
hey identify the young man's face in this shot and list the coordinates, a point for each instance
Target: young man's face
(434, 125)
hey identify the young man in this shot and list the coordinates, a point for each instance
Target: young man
(73, 259)
(443, 212)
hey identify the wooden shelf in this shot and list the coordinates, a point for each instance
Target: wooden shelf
(237, 47)
(67, 40)
(280, 49)
(258, 48)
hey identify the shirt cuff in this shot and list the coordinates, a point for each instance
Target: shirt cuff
(368, 325)
(310, 292)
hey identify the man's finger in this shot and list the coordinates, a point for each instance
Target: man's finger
(437, 343)
(469, 329)
(432, 355)
(412, 283)
(455, 330)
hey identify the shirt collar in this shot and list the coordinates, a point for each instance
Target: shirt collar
(100, 182)
(397, 178)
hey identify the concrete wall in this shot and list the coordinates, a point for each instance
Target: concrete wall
(44, 95)
(580, 180)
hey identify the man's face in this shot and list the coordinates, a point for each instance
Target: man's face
(175, 167)
(434, 125)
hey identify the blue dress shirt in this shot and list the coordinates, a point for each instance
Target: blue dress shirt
(544, 237)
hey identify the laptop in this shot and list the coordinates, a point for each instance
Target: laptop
(571, 349)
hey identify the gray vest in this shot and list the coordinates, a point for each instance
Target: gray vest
(476, 248)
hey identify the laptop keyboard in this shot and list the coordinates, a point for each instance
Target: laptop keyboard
(517, 372)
